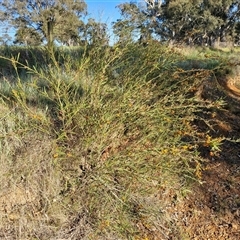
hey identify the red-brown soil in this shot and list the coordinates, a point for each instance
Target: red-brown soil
(212, 210)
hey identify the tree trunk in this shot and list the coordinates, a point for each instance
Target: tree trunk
(50, 35)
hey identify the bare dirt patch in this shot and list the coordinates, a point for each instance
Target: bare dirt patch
(212, 210)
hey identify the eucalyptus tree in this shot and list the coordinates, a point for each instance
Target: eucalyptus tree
(201, 21)
(46, 19)
(133, 23)
(178, 19)
(95, 33)
(195, 22)
(123, 29)
(28, 37)
(221, 18)
(4, 39)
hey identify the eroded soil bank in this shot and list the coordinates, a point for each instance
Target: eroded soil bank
(212, 210)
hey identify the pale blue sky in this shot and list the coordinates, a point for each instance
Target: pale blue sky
(105, 11)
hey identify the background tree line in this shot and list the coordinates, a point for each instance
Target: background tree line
(201, 22)
(193, 22)
(39, 21)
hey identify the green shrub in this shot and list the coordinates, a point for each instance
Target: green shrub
(102, 138)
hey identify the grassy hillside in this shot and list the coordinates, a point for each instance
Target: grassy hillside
(99, 143)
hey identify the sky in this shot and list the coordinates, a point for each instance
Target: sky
(105, 11)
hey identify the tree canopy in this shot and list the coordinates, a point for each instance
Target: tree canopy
(95, 32)
(192, 22)
(39, 20)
